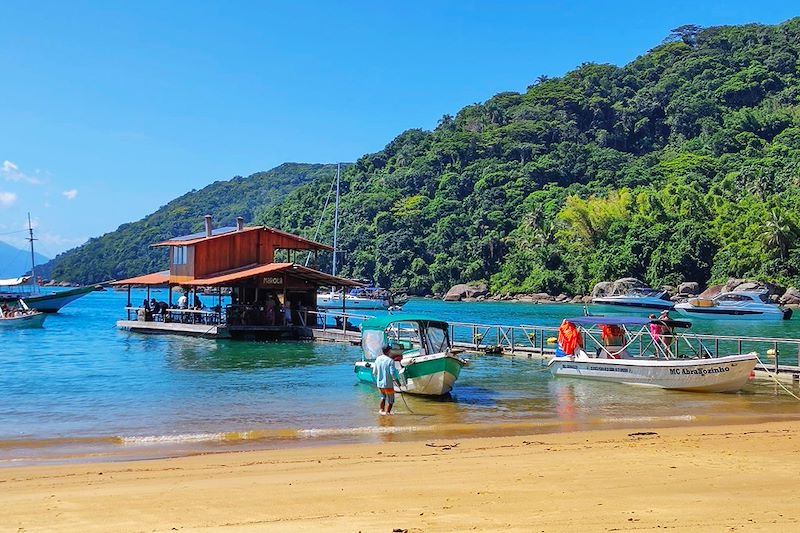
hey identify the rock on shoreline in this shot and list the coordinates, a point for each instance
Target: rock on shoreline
(476, 292)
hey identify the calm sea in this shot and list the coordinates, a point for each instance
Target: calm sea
(80, 390)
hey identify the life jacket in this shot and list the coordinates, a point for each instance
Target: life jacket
(568, 338)
(611, 333)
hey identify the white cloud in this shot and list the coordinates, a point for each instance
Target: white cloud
(7, 199)
(70, 194)
(11, 172)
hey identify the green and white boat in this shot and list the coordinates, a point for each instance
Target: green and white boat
(429, 365)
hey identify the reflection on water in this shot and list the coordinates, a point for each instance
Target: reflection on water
(206, 354)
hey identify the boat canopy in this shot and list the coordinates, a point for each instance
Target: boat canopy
(589, 321)
(382, 322)
(13, 282)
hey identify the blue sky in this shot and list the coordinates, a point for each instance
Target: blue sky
(108, 110)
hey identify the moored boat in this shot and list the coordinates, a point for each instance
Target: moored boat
(21, 316)
(25, 288)
(637, 298)
(737, 305)
(371, 298)
(429, 366)
(646, 352)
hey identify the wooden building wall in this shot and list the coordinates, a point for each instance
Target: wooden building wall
(233, 251)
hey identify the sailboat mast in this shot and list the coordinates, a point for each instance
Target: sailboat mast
(33, 260)
(336, 219)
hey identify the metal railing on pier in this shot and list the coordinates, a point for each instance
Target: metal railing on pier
(778, 355)
(185, 316)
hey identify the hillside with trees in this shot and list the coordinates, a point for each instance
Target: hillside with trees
(681, 165)
(126, 252)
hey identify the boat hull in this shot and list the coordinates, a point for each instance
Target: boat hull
(720, 374)
(716, 313)
(327, 302)
(634, 303)
(432, 375)
(54, 301)
(35, 320)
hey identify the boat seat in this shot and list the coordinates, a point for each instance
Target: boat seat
(398, 348)
(614, 352)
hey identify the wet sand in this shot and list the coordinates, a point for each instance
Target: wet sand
(714, 478)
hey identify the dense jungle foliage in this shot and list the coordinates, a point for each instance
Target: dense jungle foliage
(682, 165)
(126, 252)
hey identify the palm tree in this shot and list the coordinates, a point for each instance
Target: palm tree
(779, 233)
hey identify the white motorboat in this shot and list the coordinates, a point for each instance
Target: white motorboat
(639, 298)
(21, 316)
(429, 365)
(639, 351)
(739, 305)
(372, 298)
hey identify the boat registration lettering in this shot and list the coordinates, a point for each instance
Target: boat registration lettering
(700, 371)
(610, 368)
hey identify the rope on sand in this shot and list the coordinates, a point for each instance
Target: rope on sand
(776, 380)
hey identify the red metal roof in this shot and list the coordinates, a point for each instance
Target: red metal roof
(156, 278)
(307, 244)
(291, 269)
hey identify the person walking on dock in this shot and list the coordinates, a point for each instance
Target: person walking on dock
(385, 373)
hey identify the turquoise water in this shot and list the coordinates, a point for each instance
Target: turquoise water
(79, 389)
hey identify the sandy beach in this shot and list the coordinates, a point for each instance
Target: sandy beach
(714, 478)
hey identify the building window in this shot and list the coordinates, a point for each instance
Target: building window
(179, 255)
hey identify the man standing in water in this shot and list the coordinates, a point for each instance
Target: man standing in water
(385, 373)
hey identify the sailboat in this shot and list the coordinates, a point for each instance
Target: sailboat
(26, 289)
(371, 298)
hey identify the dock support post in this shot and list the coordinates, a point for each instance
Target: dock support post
(541, 344)
(777, 364)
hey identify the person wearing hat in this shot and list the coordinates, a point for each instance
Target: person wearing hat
(385, 373)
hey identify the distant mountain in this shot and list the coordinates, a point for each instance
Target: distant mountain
(15, 262)
(126, 252)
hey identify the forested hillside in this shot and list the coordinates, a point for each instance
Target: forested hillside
(682, 165)
(126, 252)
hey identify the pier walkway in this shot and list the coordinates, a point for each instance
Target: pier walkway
(776, 355)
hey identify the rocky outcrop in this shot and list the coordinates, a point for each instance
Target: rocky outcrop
(742, 285)
(604, 288)
(688, 288)
(790, 297)
(465, 290)
(611, 288)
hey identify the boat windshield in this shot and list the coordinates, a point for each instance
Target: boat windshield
(405, 336)
(732, 297)
(437, 339)
(374, 293)
(372, 343)
(645, 291)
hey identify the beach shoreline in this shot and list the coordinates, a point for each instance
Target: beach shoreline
(698, 477)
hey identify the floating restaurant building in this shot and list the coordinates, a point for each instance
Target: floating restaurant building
(268, 299)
